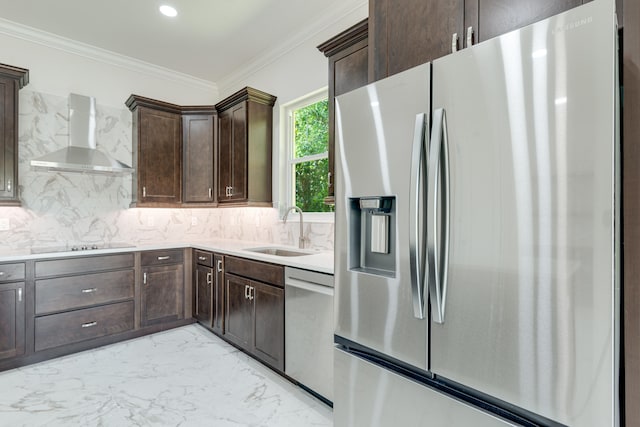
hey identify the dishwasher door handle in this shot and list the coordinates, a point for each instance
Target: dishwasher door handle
(308, 286)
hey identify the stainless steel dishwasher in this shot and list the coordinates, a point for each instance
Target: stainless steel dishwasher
(309, 330)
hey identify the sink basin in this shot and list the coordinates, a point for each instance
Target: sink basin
(280, 251)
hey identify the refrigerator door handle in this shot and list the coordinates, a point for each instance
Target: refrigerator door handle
(416, 241)
(438, 229)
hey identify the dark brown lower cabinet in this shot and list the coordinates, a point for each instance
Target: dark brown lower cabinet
(239, 311)
(254, 318)
(12, 320)
(162, 294)
(269, 324)
(203, 307)
(218, 295)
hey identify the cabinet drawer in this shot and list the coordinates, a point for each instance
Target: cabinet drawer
(10, 272)
(261, 271)
(81, 291)
(74, 326)
(203, 258)
(173, 256)
(87, 264)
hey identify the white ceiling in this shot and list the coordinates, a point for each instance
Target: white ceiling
(209, 39)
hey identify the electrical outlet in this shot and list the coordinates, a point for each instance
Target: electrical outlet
(5, 225)
(194, 220)
(150, 221)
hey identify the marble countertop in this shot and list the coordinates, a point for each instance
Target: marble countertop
(321, 261)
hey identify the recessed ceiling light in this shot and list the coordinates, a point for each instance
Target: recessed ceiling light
(168, 11)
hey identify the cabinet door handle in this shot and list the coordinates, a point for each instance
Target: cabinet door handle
(8, 185)
(246, 291)
(469, 36)
(219, 266)
(209, 278)
(19, 294)
(144, 278)
(164, 258)
(210, 193)
(89, 290)
(329, 176)
(144, 191)
(454, 42)
(251, 292)
(89, 324)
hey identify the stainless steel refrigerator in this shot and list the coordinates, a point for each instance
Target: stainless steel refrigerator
(477, 234)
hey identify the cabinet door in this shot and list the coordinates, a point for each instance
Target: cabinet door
(225, 147)
(197, 131)
(269, 323)
(203, 306)
(160, 151)
(8, 140)
(162, 294)
(501, 16)
(406, 33)
(238, 326)
(218, 295)
(12, 320)
(239, 153)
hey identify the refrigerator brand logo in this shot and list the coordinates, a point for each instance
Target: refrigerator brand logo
(573, 25)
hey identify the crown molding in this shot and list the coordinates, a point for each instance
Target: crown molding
(239, 77)
(30, 34)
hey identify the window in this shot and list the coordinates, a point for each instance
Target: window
(308, 157)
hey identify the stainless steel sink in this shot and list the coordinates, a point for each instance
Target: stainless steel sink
(280, 251)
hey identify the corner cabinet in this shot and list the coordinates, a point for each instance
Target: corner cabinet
(348, 55)
(208, 290)
(245, 122)
(198, 133)
(254, 310)
(12, 79)
(157, 153)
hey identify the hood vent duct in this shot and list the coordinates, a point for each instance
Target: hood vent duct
(81, 155)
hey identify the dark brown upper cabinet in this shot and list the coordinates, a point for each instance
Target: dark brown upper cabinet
(348, 55)
(198, 133)
(12, 79)
(406, 33)
(245, 121)
(157, 153)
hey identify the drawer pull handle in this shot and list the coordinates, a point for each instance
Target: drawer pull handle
(163, 258)
(202, 258)
(89, 324)
(89, 290)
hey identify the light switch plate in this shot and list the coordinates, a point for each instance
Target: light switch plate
(5, 225)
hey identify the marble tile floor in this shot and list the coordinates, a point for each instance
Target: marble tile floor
(181, 377)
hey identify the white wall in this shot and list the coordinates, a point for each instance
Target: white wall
(88, 71)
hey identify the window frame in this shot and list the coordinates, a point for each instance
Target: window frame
(291, 162)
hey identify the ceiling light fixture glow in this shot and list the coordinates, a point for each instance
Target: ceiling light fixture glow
(168, 11)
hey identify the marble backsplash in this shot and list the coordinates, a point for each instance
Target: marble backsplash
(62, 208)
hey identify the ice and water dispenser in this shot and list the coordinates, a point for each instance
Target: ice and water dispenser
(373, 235)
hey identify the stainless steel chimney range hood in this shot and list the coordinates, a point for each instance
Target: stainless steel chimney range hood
(81, 155)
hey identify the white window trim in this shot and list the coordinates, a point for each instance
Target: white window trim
(286, 201)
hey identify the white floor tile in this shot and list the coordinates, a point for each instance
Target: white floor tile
(182, 377)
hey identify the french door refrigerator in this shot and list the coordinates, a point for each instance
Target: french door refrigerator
(477, 234)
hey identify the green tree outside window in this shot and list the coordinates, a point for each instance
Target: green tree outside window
(310, 160)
